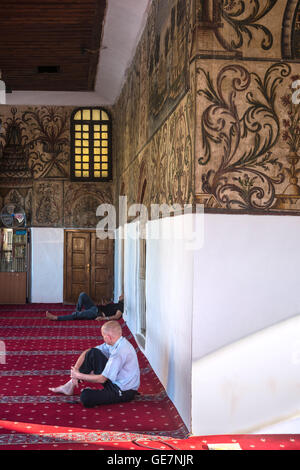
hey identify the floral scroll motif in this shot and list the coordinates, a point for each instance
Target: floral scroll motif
(244, 170)
(244, 16)
(166, 164)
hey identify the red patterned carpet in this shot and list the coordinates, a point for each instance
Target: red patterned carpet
(39, 354)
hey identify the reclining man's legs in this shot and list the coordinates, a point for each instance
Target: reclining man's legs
(90, 311)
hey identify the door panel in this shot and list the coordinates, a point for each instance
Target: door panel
(79, 276)
(78, 259)
(77, 268)
(13, 288)
(102, 264)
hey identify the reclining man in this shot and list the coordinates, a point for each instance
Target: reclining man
(105, 311)
(113, 364)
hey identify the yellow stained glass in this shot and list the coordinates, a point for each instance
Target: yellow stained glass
(91, 149)
(86, 114)
(96, 114)
(77, 116)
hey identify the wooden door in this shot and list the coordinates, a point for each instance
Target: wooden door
(88, 266)
(77, 265)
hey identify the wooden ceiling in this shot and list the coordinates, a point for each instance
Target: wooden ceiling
(50, 45)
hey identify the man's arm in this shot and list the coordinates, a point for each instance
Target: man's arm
(92, 378)
(116, 316)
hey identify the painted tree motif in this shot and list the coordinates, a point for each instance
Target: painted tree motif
(49, 146)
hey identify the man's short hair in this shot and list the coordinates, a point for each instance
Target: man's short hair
(112, 327)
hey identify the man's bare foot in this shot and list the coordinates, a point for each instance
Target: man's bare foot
(50, 316)
(66, 389)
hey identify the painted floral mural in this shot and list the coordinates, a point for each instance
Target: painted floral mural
(35, 168)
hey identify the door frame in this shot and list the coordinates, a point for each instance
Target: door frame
(74, 230)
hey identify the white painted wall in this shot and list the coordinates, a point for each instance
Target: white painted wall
(47, 245)
(246, 278)
(169, 306)
(249, 384)
(169, 288)
(215, 336)
(124, 24)
(131, 269)
(290, 425)
(118, 263)
(57, 98)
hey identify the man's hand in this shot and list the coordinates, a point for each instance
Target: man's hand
(75, 374)
(116, 316)
(100, 318)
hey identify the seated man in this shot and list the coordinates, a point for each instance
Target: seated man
(105, 311)
(113, 364)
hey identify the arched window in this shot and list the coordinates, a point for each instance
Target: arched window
(91, 145)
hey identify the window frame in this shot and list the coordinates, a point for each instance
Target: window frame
(91, 123)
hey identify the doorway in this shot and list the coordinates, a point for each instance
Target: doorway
(88, 266)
